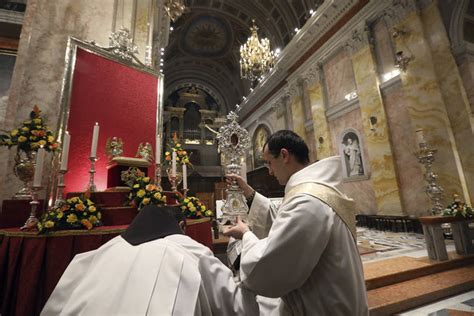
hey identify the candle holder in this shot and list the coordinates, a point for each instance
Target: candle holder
(426, 157)
(185, 192)
(173, 183)
(32, 221)
(174, 180)
(91, 186)
(59, 197)
(158, 176)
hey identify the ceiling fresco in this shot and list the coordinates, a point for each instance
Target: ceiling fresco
(204, 44)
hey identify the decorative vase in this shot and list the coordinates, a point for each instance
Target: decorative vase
(24, 169)
(175, 181)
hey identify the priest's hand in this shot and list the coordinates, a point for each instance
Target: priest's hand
(238, 230)
(247, 189)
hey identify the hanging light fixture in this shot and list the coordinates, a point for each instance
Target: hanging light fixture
(256, 58)
(174, 8)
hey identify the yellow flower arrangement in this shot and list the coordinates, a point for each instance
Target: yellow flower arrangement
(33, 134)
(458, 208)
(74, 213)
(143, 192)
(181, 154)
(193, 208)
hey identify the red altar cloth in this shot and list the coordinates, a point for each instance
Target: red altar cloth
(31, 265)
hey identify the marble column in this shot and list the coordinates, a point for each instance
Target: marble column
(424, 99)
(297, 115)
(138, 17)
(383, 173)
(313, 85)
(454, 96)
(39, 67)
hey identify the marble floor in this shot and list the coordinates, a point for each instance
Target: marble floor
(378, 245)
(462, 304)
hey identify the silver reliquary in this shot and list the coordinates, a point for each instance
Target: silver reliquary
(233, 141)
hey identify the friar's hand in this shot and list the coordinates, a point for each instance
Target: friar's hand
(247, 189)
(238, 230)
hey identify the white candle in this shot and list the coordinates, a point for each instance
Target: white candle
(95, 140)
(420, 138)
(185, 177)
(65, 153)
(39, 167)
(158, 149)
(173, 164)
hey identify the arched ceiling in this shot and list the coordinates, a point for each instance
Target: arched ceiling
(204, 45)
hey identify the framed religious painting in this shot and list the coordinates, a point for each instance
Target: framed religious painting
(121, 97)
(260, 137)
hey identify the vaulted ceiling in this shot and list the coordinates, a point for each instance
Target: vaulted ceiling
(203, 49)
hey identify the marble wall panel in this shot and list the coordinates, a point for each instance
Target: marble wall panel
(361, 191)
(339, 77)
(311, 142)
(322, 137)
(466, 68)
(410, 173)
(7, 64)
(383, 176)
(383, 47)
(424, 101)
(141, 28)
(40, 61)
(298, 116)
(454, 96)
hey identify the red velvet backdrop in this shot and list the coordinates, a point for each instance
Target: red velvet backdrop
(123, 100)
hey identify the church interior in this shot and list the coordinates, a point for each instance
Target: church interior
(386, 85)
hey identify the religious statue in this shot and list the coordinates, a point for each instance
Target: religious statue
(114, 147)
(352, 152)
(145, 151)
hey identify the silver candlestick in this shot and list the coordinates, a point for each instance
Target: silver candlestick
(32, 221)
(173, 182)
(91, 186)
(60, 198)
(425, 156)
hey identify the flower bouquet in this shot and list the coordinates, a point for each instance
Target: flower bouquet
(458, 208)
(74, 213)
(181, 154)
(32, 134)
(193, 208)
(29, 137)
(144, 193)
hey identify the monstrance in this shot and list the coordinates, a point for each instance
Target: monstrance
(233, 141)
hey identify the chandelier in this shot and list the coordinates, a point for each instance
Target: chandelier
(256, 58)
(174, 8)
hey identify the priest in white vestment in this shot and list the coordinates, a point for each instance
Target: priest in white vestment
(305, 252)
(151, 269)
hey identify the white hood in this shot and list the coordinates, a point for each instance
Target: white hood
(327, 171)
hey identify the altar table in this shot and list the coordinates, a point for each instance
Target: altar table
(31, 264)
(434, 237)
